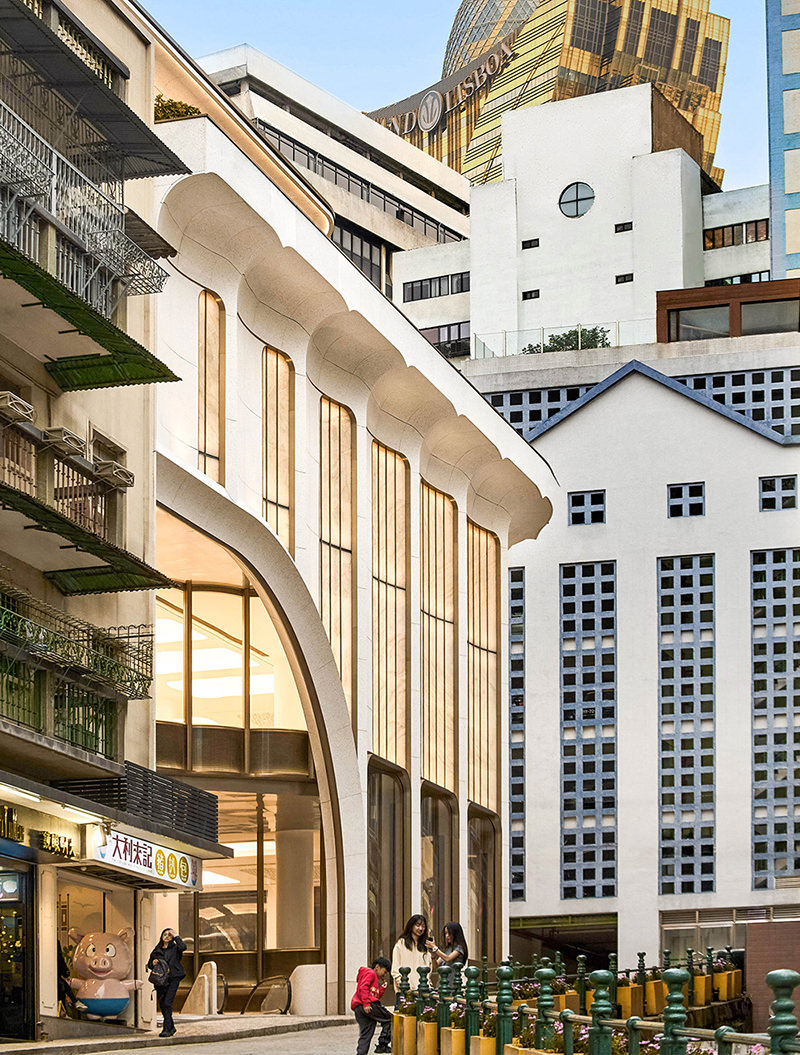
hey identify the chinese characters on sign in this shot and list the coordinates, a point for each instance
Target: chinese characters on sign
(145, 858)
(62, 845)
(10, 828)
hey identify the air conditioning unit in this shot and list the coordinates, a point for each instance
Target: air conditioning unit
(64, 440)
(12, 408)
(114, 473)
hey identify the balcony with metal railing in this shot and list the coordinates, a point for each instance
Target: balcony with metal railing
(63, 498)
(118, 659)
(68, 142)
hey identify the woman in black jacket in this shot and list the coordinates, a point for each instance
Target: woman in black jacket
(170, 949)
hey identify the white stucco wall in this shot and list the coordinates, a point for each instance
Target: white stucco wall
(735, 207)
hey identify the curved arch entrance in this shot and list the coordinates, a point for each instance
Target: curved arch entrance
(250, 707)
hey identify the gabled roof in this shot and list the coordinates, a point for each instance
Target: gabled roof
(635, 367)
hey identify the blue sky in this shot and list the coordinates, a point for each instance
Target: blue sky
(372, 54)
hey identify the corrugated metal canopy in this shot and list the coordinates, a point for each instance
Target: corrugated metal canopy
(143, 153)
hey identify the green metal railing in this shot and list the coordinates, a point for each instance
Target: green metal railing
(19, 695)
(85, 720)
(506, 1018)
(121, 657)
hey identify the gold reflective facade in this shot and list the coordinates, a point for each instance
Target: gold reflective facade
(569, 48)
(479, 25)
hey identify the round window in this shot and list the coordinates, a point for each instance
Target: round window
(576, 199)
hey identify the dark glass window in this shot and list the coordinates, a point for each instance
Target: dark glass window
(620, 228)
(530, 243)
(586, 507)
(451, 340)
(736, 234)
(622, 279)
(425, 288)
(686, 500)
(777, 492)
(633, 30)
(588, 22)
(690, 35)
(699, 324)
(363, 248)
(709, 63)
(661, 34)
(439, 850)
(530, 294)
(771, 316)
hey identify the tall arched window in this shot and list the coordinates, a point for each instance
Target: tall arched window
(438, 579)
(483, 685)
(278, 424)
(390, 637)
(211, 386)
(439, 857)
(337, 511)
(387, 857)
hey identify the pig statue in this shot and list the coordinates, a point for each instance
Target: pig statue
(100, 969)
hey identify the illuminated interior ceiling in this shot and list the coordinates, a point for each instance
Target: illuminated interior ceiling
(478, 25)
(192, 556)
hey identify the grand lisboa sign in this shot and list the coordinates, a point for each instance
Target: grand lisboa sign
(437, 102)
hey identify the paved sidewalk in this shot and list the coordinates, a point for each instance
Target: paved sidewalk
(238, 1034)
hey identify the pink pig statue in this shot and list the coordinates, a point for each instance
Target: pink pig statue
(100, 968)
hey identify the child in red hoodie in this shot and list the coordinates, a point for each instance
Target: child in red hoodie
(369, 1011)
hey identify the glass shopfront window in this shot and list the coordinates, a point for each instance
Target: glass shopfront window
(439, 857)
(483, 865)
(387, 893)
(259, 912)
(16, 953)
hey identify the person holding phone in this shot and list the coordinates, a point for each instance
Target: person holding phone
(454, 946)
(169, 951)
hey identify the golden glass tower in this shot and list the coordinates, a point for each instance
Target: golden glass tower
(477, 27)
(564, 49)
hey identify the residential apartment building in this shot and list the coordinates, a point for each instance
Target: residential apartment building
(783, 89)
(88, 832)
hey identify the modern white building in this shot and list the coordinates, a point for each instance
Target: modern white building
(335, 506)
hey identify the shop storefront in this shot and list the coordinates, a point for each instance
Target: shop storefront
(77, 908)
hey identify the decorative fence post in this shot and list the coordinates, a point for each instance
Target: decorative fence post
(641, 970)
(709, 960)
(558, 965)
(724, 1046)
(544, 1027)
(423, 989)
(666, 959)
(457, 986)
(504, 997)
(568, 1031)
(405, 985)
(783, 1024)
(443, 1010)
(612, 966)
(675, 1012)
(690, 969)
(599, 1032)
(485, 978)
(534, 964)
(473, 996)
(633, 1032)
(580, 984)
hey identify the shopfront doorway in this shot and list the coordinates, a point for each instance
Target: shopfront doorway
(16, 954)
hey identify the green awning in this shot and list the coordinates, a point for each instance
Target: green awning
(121, 570)
(128, 362)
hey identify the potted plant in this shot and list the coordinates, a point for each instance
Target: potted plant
(630, 997)
(428, 1030)
(404, 1026)
(452, 1039)
(486, 1043)
(722, 979)
(702, 987)
(655, 992)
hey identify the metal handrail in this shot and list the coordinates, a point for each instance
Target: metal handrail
(271, 978)
(225, 992)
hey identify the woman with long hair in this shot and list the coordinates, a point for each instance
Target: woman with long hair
(454, 946)
(167, 954)
(411, 950)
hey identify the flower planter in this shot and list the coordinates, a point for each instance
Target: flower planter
(589, 1000)
(737, 983)
(404, 1034)
(427, 1038)
(702, 990)
(483, 1046)
(512, 1049)
(564, 1001)
(631, 1000)
(655, 994)
(723, 983)
(453, 1041)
